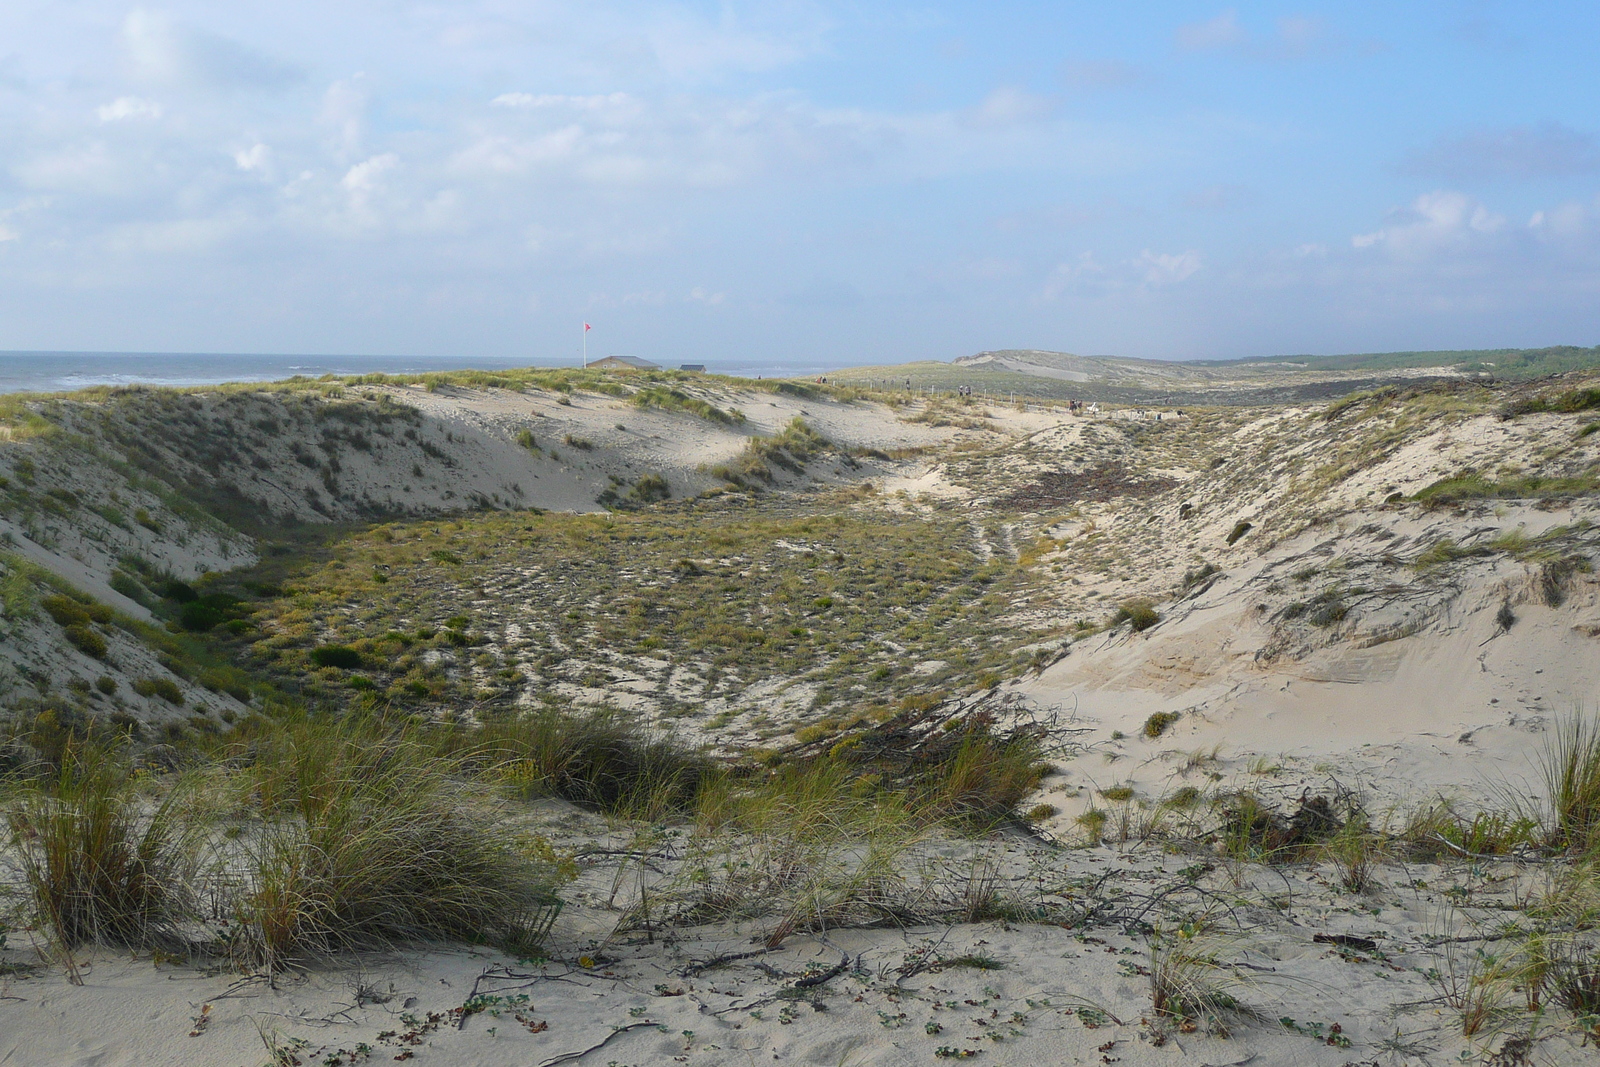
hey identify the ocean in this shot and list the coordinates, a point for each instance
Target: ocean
(53, 372)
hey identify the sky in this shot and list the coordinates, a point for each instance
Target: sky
(826, 182)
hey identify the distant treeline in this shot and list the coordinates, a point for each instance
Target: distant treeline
(1500, 362)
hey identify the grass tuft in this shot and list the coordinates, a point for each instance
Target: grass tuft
(1140, 614)
(1570, 767)
(369, 840)
(99, 869)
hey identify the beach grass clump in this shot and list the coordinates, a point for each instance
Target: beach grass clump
(979, 784)
(649, 489)
(1472, 485)
(1355, 850)
(789, 449)
(1570, 768)
(1138, 614)
(1190, 983)
(101, 865)
(599, 760)
(810, 846)
(342, 657)
(962, 772)
(1438, 829)
(669, 398)
(165, 688)
(370, 839)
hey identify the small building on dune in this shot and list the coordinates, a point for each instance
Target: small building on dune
(697, 368)
(624, 363)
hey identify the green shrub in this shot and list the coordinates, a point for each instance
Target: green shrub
(128, 586)
(1140, 614)
(1240, 528)
(1157, 723)
(340, 656)
(1573, 400)
(69, 612)
(87, 641)
(207, 612)
(64, 610)
(165, 688)
(597, 760)
(650, 489)
(182, 592)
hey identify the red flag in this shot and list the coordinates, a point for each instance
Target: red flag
(587, 327)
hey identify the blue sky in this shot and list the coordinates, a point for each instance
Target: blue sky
(827, 182)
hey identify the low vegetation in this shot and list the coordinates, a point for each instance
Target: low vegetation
(718, 593)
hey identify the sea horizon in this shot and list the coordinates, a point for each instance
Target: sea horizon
(23, 371)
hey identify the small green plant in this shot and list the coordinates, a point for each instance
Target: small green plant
(1355, 850)
(1159, 722)
(1138, 614)
(1189, 982)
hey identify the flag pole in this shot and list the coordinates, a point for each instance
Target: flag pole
(586, 346)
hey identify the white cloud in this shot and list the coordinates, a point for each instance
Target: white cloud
(344, 114)
(561, 100)
(1161, 268)
(128, 107)
(8, 234)
(1434, 221)
(256, 157)
(365, 176)
(700, 295)
(1566, 222)
(1219, 32)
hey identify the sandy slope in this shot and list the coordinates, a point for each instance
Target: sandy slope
(1419, 688)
